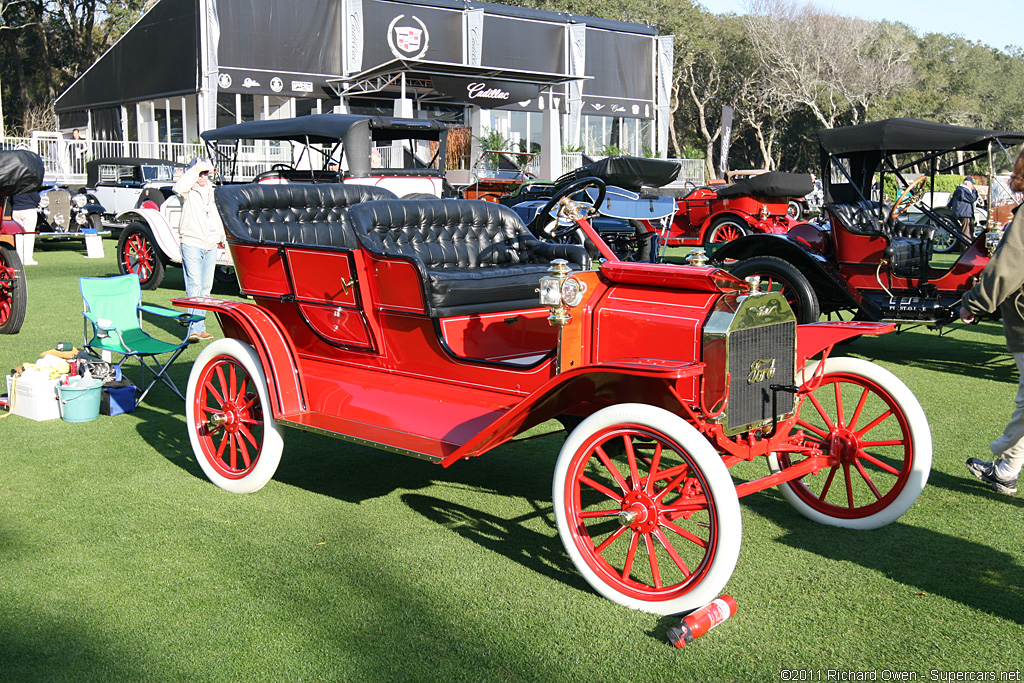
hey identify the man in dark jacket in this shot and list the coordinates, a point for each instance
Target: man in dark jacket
(961, 203)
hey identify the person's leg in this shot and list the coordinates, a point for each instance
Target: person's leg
(192, 264)
(26, 243)
(965, 227)
(208, 267)
(209, 270)
(1009, 448)
(1002, 473)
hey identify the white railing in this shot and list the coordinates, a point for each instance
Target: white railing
(65, 159)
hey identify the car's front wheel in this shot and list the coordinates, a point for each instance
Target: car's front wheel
(138, 253)
(877, 436)
(646, 509)
(782, 276)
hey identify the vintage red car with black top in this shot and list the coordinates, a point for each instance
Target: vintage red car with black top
(442, 329)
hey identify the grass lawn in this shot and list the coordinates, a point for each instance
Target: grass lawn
(119, 561)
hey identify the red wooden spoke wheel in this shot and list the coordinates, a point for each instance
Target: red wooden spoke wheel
(724, 230)
(137, 253)
(234, 438)
(13, 291)
(646, 509)
(878, 442)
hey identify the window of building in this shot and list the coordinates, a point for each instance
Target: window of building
(226, 109)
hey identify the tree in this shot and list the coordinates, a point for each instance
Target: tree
(835, 66)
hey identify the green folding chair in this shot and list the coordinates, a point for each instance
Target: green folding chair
(113, 311)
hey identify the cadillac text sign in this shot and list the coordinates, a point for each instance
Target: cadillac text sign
(485, 92)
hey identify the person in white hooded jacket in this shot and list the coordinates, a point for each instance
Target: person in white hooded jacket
(201, 233)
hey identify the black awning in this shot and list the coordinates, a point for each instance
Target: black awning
(327, 129)
(423, 69)
(892, 136)
(144, 64)
(771, 184)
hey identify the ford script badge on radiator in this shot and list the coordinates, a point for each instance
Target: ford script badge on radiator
(760, 370)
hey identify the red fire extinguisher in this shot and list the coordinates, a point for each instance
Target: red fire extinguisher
(697, 623)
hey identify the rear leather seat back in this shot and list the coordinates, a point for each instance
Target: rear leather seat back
(296, 213)
(473, 256)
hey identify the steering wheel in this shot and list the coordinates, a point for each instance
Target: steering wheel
(282, 167)
(910, 196)
(567, 209)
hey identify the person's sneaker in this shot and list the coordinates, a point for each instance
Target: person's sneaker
(193, 338)
(205, 336)
(986, 471)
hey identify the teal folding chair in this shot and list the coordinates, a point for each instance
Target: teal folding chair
(113, 309)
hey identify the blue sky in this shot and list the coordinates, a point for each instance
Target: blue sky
(997, 24)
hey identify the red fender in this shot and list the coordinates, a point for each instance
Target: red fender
(615, 382)
(813, 338)
(264, 332)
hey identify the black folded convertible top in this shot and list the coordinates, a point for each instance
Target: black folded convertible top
(892, 136)
(771, 184)
(21, 171)
(631, 173)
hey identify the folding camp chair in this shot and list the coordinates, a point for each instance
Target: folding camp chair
(113, 309)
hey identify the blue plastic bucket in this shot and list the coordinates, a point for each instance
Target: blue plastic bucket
(80, 402)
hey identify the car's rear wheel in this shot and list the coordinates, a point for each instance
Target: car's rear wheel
(794, 210)
(778, 275)
(13, 291)
(877, 435)
(646, 509)
(137, 252)
(233, 435)
(724, 230)
(224, 275)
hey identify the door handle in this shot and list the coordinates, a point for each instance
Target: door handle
(346, 285)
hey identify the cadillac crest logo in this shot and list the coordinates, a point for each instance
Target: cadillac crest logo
(224, 80)
(408, 41)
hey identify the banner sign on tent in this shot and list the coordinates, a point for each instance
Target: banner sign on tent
(486, 93)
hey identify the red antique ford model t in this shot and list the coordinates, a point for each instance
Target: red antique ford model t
(416, 326)
(759, 204)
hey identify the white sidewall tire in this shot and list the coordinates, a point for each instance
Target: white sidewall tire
(920, 439)
(722, 489)
(273, 440)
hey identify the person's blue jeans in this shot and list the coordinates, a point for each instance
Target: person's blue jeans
(200, 265)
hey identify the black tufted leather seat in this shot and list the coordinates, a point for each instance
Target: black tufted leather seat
(473, 256)
(299, 213)
(909, 246)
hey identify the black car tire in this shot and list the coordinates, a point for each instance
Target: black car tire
(13, 296)
(95, 222)
(786, 278)
(137, 252)
(224, 275)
